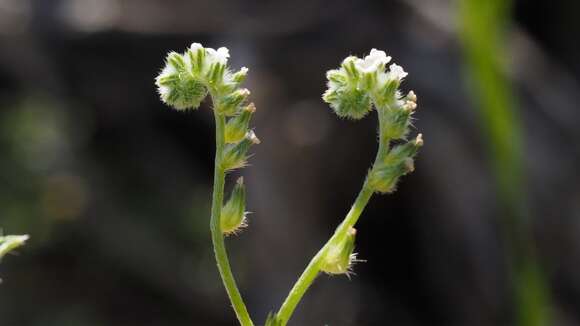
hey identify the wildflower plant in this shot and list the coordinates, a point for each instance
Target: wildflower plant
(357, 87)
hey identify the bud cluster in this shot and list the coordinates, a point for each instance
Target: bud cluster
(360, 83)
(186, 79)
(353, 90)
(398, 162)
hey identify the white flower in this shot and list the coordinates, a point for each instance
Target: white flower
(372, 61)
(195, 46)
(396, 72)
(220, 56)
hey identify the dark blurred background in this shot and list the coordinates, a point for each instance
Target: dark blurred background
(114, 187)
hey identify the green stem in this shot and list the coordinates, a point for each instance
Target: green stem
(217, 237)
(313, 268)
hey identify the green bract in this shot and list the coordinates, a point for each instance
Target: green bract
(234, 211)
(340, 257)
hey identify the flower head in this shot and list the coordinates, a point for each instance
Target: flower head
(372, 62)
(360, 83)
(186, 78)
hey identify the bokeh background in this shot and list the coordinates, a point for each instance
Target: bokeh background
(114, 187)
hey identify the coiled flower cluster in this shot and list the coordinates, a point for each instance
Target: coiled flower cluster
(185, 81)
(363, 83)
(354, 89)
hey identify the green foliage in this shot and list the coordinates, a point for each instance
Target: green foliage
(484, 28)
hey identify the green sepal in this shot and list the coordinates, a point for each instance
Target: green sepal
(235, 155)
(228, 105)
(237, 126)
(233, 216)
(339, 257)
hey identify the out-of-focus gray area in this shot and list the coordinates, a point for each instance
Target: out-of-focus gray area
(114, 187)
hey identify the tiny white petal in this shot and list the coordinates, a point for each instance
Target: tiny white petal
(396, 72)
(195, 46)
(222, 55)
(372, 61)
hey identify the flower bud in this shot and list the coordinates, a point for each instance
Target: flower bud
(384, 176)
(215, 74)
(229, 103)
(412, 97)
(339, 258)
(348, 102)
(196, 57)
(234, 156)
(349, 67)
(240, 76)
(396, 122)
(233, 216)
(11, 242)
(176, 61)
(237, 126)
(407, 150)
(177, 87)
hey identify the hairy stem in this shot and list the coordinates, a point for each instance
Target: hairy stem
(313, 268)
(217, 237)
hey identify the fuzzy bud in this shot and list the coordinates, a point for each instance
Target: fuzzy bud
(412, 97)
(407, 150)
(240, 76)
(237, 126)
(384, 176)
(229, 103)
(348, 102)
(396, 122)
(235, 155)
(177, 87)
(233, 216)
(339, 258)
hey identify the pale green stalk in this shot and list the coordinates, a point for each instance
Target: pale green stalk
(313, 268)
(217, 236)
